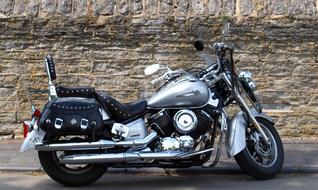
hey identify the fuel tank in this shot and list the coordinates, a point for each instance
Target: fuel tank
(187, 92)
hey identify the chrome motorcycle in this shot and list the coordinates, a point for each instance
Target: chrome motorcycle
(81, 132)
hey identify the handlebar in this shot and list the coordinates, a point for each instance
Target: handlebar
(167, 76)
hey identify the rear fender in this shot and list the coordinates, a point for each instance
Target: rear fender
(35, 136)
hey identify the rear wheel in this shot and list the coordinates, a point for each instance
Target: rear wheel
(261, 160)
(69, 175)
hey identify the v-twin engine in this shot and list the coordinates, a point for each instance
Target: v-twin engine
(183, 143)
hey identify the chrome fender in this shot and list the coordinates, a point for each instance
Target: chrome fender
(35, 136)
(235, 135)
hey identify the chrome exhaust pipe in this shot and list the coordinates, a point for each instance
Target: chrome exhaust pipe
(101, 144)
(126, 157)
(116, 158)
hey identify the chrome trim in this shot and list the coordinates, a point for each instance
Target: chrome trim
(251, 116)
(247, 109)
(118, 157)
(235, 136)
(126, 157)
(101, 144)
(197, 153)
(261, 115)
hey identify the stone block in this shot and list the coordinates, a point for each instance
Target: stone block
(6, 6)
(198, 7)
(228, 7)
(19, 7)
(32, 8)
(301, 7)
(123, 7)
(103, 7)
(214, 7)
(182, 7)
(246, 7)
(48, 6)
(80, 8)
(136, 6)
(64, 6)
(166, 6)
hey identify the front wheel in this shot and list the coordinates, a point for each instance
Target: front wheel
(69, 175)
(261, 160)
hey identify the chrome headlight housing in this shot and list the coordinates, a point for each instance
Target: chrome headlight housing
(247, 77)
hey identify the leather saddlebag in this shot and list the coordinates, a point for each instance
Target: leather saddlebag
(72, 116)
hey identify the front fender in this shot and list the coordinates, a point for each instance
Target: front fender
(235, 140)
(235, 136)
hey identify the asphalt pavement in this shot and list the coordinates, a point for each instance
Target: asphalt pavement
(299, 158)
(18, 181)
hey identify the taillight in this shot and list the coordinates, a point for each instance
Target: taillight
(25, 129)
(36, 113)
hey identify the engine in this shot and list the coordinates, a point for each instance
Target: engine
(184, 122)
(183, 143)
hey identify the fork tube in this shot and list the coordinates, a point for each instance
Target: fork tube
(240, 99)
(251, 116)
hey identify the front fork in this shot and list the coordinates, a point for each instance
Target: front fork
(247, 110)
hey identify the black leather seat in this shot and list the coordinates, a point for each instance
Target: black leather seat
(121, 112)
(75, 92)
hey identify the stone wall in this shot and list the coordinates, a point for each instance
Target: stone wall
(107, 43)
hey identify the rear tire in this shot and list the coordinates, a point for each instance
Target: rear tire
(254, 166)
(69, 176)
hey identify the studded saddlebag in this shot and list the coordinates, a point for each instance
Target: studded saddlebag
(71, 116)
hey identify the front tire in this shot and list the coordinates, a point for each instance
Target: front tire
(69, 176)
(259, 160)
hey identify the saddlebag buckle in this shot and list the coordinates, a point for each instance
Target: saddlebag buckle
(84, 124)
(58, 123)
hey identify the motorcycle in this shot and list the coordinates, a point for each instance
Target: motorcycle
(80, 132)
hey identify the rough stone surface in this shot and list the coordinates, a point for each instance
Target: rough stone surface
(107, 43)
(64, 6)
(228, 7)
(246, 7)
(19, 7)
(32, 8)
(80, 8)
(48, 6)
(103, 7)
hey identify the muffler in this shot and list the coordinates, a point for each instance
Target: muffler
(101, 144)
(115, 158)
(126, 157)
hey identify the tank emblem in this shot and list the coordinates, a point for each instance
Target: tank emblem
(192, 93)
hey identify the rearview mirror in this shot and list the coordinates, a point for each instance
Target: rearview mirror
(198, 45)
(151, 69)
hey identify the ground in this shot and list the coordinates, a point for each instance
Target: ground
(11, 181)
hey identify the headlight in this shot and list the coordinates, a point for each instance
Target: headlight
(247, 77)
